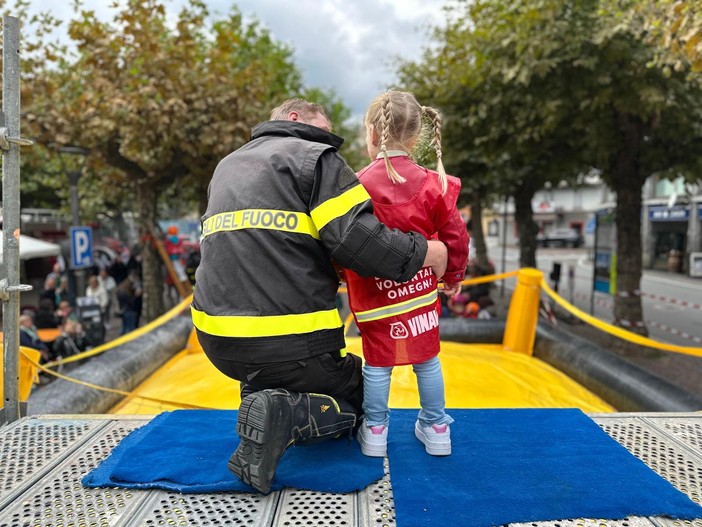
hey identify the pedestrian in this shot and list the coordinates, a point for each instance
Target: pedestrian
(96, 290)
(118, 270)
(64, 311)
(72, 339)
(280, 209)
(56, 271)
(46, 314)
(61, 292)
(49, 291)
(29, 337)
(174, 248)
(108, 283)
(399, 323)
(129, 304)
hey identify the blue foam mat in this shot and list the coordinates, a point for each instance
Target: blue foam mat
(187, 451)
(524, 465)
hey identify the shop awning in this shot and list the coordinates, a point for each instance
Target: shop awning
(32, 247)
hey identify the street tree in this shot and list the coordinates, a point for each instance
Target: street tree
(543, 90)
(502, 72)
(642, 119)
(340, 116)
(158, 102)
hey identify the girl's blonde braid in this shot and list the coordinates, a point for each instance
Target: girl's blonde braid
(385, 122)
(435, 118)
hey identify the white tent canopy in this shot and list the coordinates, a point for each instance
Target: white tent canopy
(32, 247)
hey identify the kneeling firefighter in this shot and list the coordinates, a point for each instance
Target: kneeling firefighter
(280, 209)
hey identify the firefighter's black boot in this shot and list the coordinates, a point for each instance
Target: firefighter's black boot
(272, 420)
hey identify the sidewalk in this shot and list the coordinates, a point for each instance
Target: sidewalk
(675, 277)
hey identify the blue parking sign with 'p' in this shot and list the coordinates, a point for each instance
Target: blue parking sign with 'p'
(81, 247)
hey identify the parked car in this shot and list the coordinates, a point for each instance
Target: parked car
(560, 237)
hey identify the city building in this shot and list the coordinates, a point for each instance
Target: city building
(671, 219)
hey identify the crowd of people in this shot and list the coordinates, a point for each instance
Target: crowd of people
(109, 305)
(83, 322)
(473, 301)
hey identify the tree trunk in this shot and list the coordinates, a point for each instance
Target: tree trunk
(526, 226)
(478, 235)
(627, 183)
(152, 277)
(202, 197)
(122, 228)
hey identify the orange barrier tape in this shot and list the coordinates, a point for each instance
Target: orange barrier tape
(615, 330)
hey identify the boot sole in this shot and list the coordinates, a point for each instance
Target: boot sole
(257, 456)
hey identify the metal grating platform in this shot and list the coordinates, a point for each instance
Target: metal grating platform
(44, 458)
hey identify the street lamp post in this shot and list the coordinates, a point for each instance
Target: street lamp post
(76, 277)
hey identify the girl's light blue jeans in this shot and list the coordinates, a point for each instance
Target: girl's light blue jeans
(430, 381)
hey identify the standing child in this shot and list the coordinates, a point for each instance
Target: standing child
(399, 322)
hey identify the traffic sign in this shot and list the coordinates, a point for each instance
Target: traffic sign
(81, 247)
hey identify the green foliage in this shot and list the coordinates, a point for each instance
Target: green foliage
(672, 27)
(352, 151)
(157, 101)
(537, 91)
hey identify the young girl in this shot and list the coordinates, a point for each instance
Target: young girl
(399, 322)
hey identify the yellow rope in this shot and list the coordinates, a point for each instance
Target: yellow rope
(109, 390)
(470, 281)
(617, 331)
(175, 311)
(489, 278)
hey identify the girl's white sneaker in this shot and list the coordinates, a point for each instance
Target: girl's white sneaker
(436, 438)
(373, 440)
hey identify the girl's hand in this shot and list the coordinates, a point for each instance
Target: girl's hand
(452, 289)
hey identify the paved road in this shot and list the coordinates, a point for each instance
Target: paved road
(672, 303)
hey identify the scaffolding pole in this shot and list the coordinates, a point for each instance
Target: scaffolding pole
(10, 286)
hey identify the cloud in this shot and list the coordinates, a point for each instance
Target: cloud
(348, 46)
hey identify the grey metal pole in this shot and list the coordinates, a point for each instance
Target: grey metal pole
(11, 219)
(504, 245)
(78, 274)
(73, 178)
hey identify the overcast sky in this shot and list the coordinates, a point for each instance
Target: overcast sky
(347, 45)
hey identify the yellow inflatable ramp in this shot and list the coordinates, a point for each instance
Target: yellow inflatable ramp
(476, 376)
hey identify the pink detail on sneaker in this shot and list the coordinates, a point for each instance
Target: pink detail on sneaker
(440, 429)
(377, 429)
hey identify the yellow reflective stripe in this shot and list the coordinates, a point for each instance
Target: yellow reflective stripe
(397, 309)
(265, 326)
(278, 220)
(338, 206)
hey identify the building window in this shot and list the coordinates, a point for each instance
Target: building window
(665, 187)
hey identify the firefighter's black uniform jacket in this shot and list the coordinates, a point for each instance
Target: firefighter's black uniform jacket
(279, 210)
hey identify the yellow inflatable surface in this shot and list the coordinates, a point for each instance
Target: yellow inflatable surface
(27, 371)
(476, 376)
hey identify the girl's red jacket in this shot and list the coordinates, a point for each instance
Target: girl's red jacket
(399, 322)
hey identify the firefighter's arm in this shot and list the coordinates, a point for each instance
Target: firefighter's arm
(343, 214)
